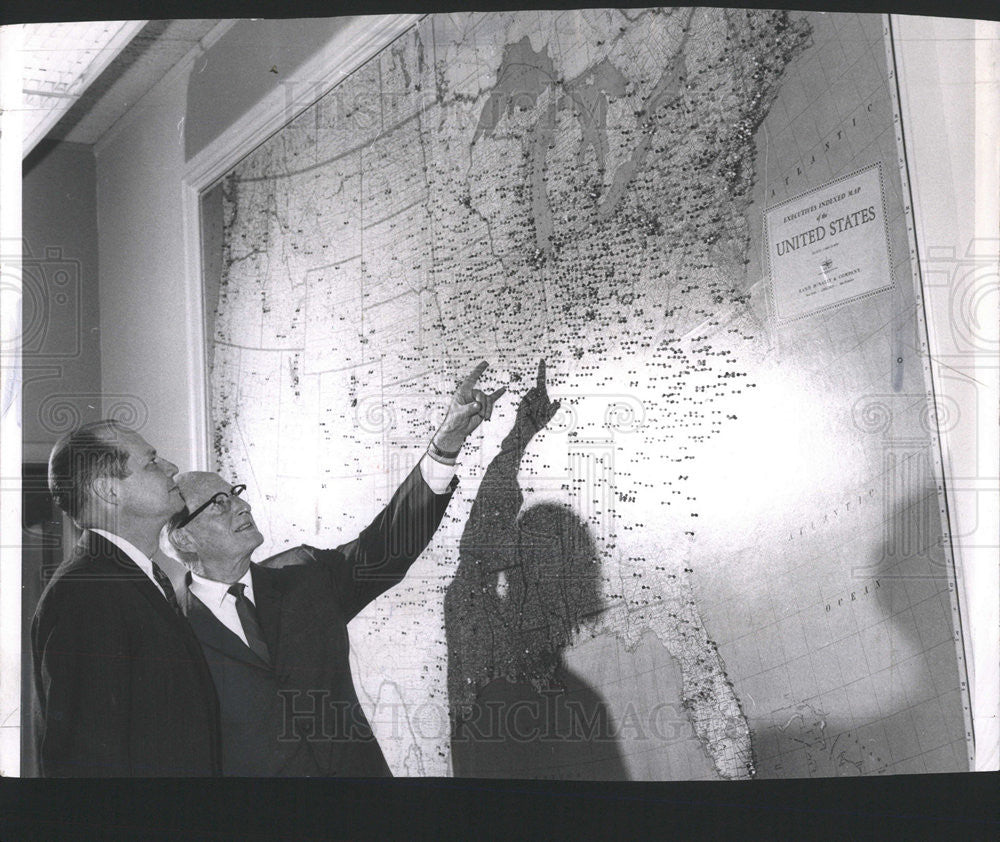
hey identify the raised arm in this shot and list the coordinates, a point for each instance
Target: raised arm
(380, 556)
(491, 522)
(489, 544)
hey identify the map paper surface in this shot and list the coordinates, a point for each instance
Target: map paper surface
(722, 557)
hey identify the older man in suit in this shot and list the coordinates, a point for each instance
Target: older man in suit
(120, 684)
(275, 638)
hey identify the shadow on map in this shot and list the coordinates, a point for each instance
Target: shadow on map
(531, 716)
(525, 583)
(884, 691)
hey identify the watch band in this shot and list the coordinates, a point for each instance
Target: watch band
(439, 454)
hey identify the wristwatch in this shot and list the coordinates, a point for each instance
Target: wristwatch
(446, 457)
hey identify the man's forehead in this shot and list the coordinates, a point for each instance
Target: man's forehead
(197, 486)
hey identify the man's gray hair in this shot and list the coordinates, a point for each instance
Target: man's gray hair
(167, 545)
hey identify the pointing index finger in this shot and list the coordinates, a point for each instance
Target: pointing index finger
(540, 380)
(466, 388)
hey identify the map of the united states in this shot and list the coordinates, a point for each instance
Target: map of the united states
(647, 569)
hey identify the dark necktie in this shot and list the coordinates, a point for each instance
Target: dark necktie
(168, 590)
(248, 617)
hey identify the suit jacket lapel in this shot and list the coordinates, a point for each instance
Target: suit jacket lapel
(213, 633)
(97, 545)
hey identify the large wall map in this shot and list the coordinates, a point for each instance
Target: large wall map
(701, 541)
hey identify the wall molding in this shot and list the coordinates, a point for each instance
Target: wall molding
(154, 94)
(350, 48)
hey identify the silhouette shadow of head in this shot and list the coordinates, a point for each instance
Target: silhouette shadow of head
(553, 586)
(539, 596)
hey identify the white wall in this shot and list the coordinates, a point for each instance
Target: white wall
(950, 99)
(145, 334)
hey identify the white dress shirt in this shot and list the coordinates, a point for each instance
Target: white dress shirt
(436, 474)
(143, 562)
(221, 603)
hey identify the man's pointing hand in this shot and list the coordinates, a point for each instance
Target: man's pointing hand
(469, 408)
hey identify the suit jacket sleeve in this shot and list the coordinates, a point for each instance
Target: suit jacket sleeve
(380, 556)
(82, 682)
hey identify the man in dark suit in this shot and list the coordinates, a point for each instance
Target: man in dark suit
(120, 684)
(276, 638)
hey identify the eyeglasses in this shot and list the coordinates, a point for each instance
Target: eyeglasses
(221, 501)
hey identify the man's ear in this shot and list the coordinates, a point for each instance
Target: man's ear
(180, 540)
(106, 490)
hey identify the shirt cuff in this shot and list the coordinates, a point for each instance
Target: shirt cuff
(437, 476)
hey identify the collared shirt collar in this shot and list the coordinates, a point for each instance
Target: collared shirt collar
(214, 593)
(143, 561)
